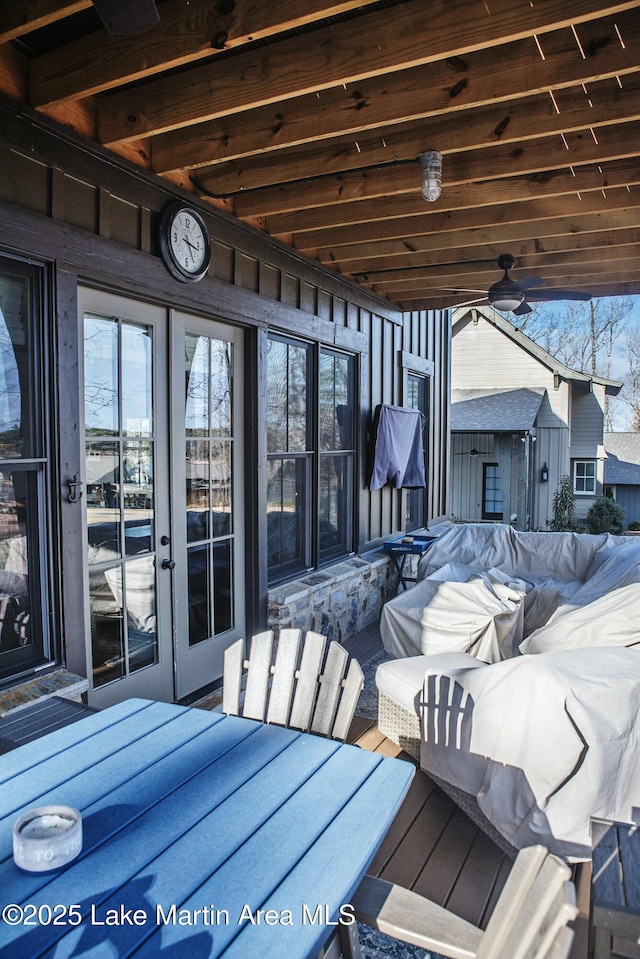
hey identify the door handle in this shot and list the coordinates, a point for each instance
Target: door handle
(168, 563)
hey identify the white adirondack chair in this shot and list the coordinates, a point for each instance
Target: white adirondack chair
(298, 687)
(529, 920)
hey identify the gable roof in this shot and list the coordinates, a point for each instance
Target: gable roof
(611, 387)
(622, 465)
(494, 411)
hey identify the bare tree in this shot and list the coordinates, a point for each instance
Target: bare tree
(583, 336)
(631, 390)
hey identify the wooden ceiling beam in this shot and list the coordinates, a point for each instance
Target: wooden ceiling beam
(20, 17)
(631, 288)
(494, 235)
(314, 166)
(429, 90)
(560, 182)
(577, 277)
(528, 252)
(412, 35)
(462, 276)
(530, 119)
(186, 34)
(477, 218)
(572, 283)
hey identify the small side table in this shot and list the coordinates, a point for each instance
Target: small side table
(401, 547)
(615, 885)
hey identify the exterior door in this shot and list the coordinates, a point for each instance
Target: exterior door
(126, 499)
(207, 468)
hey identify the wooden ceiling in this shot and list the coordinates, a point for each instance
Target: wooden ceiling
(306, 118)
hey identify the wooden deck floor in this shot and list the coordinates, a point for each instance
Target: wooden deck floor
(432, 847)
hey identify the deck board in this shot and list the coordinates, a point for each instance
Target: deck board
(432, 847)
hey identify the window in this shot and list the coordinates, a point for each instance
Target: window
(25, 502)
(310, 452)
(417, 399)
(492, 505)
(584, 477)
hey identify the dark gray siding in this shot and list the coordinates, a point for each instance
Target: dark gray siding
(94, 218)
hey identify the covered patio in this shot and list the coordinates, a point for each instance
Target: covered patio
(254, 219)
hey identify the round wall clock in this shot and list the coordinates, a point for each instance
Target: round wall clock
(184, 242)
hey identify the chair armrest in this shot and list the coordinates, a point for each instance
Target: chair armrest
(407, 916)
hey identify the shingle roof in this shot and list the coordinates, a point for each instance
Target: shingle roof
(622, 465)
(494, 411)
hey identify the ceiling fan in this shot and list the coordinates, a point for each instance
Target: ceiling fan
(514, 295)
(474, 452)
(125, 17)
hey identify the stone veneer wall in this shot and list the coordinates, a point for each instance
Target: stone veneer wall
(337, 601)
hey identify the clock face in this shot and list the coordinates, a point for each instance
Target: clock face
(185, 243)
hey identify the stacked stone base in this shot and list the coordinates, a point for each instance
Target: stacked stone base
(338, 601)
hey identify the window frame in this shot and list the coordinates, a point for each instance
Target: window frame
(312, 555)
(584, 462)
(38, 470)
(486, 513)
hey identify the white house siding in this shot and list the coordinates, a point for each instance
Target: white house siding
(466, 486)
(552, 448)
(587, 426)
(485, 356)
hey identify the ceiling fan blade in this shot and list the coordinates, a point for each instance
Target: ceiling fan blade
(460, 289)
(124, 17)
(522, 310)
(478, 299)
(529, 282)
(558, 295)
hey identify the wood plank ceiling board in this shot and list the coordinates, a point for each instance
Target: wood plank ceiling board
(307, 119)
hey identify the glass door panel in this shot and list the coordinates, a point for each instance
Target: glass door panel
(206, 416)
(129, 626)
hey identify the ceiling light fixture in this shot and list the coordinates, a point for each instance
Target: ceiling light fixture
(431, 169)
(509, 300)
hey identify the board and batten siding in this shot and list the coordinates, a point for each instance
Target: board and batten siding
(94, 218)
(587, 422)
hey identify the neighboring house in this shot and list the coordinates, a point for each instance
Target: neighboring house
(185, 463)
(622, 472)
(520, 419)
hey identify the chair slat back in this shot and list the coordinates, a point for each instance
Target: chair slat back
(307, 686)
(284, 677)
(561, 946)
(538, 898)
(353, 686)
(300, 690)
(232, 685)
(330, 688)
(258, 676)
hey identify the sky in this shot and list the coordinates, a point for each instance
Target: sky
(619, 410)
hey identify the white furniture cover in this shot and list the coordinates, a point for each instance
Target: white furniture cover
(484, 589)
(543, 741)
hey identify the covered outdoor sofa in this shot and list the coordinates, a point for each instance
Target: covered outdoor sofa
(526, 706)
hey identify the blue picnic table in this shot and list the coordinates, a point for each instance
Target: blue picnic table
(204, 835)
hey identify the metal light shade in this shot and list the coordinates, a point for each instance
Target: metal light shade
(431, 169)
(509, 300)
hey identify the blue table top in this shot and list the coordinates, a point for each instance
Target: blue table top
(204, 835)
(408, 544)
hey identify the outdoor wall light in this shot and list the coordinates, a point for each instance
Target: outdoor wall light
(431, 170)
(544, 474)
